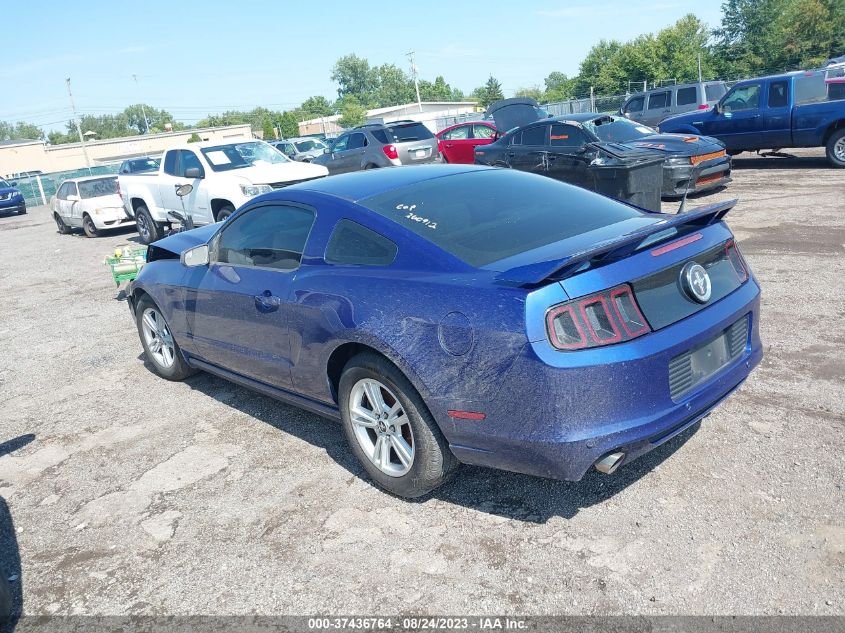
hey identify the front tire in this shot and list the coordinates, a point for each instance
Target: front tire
(89, 227)
(836, 148)
(160, 347)
(22, 211)
(224, 212)
(63, 228)
(148, 230)
(390, 430)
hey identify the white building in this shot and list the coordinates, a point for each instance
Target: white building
(428, 112)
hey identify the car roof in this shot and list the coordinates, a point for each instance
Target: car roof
(364, 184)
(87, 178)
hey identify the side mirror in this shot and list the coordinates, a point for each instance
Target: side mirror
(197, 256)
(73, 198)
(718, 108)
(184, 190)
(14, 183)
(193, 172)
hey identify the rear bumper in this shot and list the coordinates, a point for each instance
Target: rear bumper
(557, 421)
(702, 177)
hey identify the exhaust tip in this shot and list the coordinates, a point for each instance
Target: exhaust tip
(610, 462)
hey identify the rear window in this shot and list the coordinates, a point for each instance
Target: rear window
(714, 92)
(97, 188)
(483, 216)
(686, 96)
(409, 132)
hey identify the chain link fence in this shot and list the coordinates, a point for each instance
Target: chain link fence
(38, 190)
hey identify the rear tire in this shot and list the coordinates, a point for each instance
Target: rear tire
(63, 228)
(89, 227)
(224, 212)
(148, 230)
(404, 425)
(836, 148)
(160, 347)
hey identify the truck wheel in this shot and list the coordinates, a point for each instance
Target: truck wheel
(88, 227)
(147, 228)
(63, 228)
(224, 212)
(836, 148)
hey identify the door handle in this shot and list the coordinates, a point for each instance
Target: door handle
(267, 302)
(448, 145)
(510, 154)
(551, 157)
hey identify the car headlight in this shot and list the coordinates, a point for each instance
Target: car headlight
(255, 190)
(678, 160)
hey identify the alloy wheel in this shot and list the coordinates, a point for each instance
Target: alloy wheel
(158, 338)
(143, 229)
(839, 149)
(381, 427)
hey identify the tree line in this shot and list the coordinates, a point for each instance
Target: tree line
(754, 37)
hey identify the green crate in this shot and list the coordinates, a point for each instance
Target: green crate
(127, 265)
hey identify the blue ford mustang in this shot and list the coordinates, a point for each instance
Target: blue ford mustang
(451, 314)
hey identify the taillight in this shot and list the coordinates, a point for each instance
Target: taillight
(735, 258)
(390, 152)
(604, 318)
(704, 106)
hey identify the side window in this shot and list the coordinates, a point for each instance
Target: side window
(687, 96)
(634, 105)
(535, 135)
(459, 133)
(61, 194)
(188, 160)
(567, 136)
(340, 144)
(170, 162)
(381, 136)
(72, 189)
(777, 94)
(357, 141)
(658, 100)
(352, 243)
(810, 88)
(271, 236)
(482, 131)
(287, 149)
(516, 138)
(742, 98)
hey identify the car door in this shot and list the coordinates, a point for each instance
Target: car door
(73, 208)
(633, 109)
(60, 202)
(335, 162)
(566, 159)
(168, 180)
(776, 117)
(658, 107)
(457, 146)
(738, 121)
(528, 149)
(353, 156)
(241, 302)
(687, 98)
(196, 202)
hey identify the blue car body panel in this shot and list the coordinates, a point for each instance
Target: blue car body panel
(11, 199)
(465, 339)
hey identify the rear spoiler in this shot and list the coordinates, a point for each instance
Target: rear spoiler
(616, 248)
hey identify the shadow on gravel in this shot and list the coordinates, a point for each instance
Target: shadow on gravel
(519, 497)
(11, 582)
(752, 161)
(16, 443)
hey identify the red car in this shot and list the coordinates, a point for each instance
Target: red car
(457, 143)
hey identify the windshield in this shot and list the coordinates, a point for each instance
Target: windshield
(143, 164)
(309, 145)
(97, 188)
(3, 183)
(240, 155)
(484, 216)
(617, 130)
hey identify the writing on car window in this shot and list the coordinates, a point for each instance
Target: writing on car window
(410, 215)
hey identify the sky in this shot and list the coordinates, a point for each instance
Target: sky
(194, 57)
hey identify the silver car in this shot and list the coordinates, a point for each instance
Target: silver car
(653, 106)
(303, 149)
(381, 145)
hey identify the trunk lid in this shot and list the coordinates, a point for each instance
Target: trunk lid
(515, 112)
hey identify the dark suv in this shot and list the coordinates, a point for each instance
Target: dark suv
(380, 145)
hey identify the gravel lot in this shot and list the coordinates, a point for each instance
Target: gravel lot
(131, 495)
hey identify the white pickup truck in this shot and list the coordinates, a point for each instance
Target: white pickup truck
(224, 176)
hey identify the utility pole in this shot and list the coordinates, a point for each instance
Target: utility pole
(410, 56)
(143, 112)
(78, 129)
